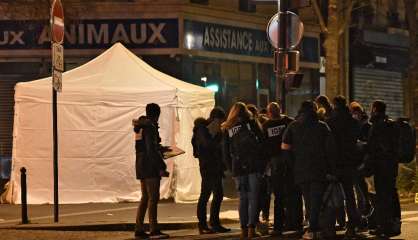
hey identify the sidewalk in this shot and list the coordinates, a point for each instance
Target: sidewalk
(107, 216)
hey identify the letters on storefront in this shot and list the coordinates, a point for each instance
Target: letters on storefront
(92, 34)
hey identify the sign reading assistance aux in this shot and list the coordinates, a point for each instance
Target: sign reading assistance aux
(222, 38)
(88, 34)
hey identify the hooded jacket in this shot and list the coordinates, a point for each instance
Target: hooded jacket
(381, 150)
(149, 159)
(207, 148)
(346, 131)
(312, 148)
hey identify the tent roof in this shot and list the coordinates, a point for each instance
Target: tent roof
(117, 71)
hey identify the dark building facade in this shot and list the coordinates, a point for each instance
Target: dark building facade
(379, 56)
(217, 44)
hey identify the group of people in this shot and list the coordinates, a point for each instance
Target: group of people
(268, 153)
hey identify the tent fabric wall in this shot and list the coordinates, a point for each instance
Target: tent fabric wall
(96, 141)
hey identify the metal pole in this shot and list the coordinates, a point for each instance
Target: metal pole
(55, 147)
(23, 191)
(282, 36)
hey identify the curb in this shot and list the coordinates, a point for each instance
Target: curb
(108, 226)
(405, 201)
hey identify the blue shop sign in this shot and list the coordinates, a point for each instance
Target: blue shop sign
(226, 39)
(236, 40)
(92, 34)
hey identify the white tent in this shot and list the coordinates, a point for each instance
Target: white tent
(96, 141)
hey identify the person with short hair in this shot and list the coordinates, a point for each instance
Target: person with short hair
(382, 161)
(206, 141)
(309, 144)
(325, 109)
(286, 194)
(150, 167)
(346, 131)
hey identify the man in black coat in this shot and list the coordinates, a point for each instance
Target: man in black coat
(150, 167)
(308, 143)
(346, 132)
(382, 160)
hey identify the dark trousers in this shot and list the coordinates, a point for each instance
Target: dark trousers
(150, 190)
(313, 193)
(210, 184)
(293, 204)
(350, 201)
(363, 199)
(278, 185)
(387, 199)
(264, 197)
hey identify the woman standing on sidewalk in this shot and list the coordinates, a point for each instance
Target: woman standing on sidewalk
(206, 143)
(242, 138)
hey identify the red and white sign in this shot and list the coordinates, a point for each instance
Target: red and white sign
(57, 22)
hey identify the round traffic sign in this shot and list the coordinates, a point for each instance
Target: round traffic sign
(57, 22)
(294, 30)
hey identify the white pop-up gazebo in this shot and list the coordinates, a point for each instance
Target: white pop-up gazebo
(96, 141)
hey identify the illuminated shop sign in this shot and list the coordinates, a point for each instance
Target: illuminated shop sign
(227, 39)
(92, 34)
(236, 40)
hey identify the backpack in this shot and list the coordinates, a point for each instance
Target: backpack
(245, 145)
(406, 141)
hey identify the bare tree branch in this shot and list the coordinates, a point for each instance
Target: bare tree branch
(347, 19)
(318, 13)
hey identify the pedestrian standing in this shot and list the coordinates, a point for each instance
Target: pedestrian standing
(382, 160)
(280, 171)
(309, 144)
(265, 186)
(150, 167)
(242, 148)
(346, 131)
(362, 194)
(325, 108)
(206, 143)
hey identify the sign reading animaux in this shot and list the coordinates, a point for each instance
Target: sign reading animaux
(92, 34)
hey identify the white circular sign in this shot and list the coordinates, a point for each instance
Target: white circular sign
(294, 30)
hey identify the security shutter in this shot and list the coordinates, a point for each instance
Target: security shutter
(10, 74)
(6, 114)
(371, 84)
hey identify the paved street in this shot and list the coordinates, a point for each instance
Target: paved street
(116, 221)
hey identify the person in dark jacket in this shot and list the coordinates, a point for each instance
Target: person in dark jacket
(382, 160)
(150, 167)
(206, 143)
(360, 185)
(325, 108)
(241, 150)
(264, 196)
(281, 173)
(308, 142)
(346, 132)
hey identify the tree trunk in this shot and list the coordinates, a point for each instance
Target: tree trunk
(331, 46)
(412, 86)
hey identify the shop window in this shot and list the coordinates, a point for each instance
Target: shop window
(246, 6)
(206, 2)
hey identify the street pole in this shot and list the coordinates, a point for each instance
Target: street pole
(57, 38)
(283, 6)
(55, 142)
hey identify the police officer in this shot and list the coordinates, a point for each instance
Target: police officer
(283, 189)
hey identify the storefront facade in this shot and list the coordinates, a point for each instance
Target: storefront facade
(225, 50)
(379, 63)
